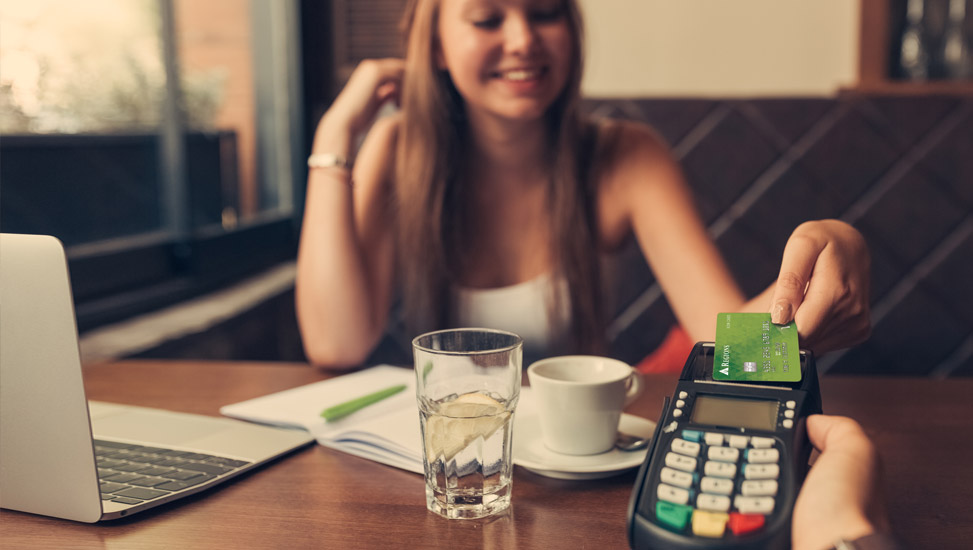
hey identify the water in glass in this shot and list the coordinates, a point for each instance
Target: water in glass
(467, 454)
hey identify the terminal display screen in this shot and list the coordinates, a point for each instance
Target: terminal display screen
(757, 414)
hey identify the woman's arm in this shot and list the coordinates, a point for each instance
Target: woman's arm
(823, 281)
(344, 263)
(644, 191)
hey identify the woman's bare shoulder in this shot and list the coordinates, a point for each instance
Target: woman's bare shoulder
(624, 142)
(636, 172)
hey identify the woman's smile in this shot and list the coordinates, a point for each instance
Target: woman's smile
(520, 75)
(522, 81)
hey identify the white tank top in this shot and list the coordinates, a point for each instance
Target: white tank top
(522, 309)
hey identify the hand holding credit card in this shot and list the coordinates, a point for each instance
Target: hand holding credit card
(750, 348)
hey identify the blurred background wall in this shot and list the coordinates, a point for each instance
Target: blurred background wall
(706, 48)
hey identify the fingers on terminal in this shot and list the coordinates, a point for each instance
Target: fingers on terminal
(838, 432)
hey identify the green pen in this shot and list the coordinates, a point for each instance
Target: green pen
(344, 409)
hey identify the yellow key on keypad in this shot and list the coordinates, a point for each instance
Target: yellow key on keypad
(709, 524)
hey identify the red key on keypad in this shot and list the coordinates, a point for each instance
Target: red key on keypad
(741, 524)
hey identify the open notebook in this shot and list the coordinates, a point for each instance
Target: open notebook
(389, 432)
(56, 458)
(386, 432)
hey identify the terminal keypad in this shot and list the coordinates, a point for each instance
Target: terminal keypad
(714, 484)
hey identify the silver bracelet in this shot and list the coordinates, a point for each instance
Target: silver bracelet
(328, 160)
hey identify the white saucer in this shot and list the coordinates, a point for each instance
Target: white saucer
(529, 452)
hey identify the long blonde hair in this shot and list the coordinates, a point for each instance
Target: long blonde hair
(430, 147)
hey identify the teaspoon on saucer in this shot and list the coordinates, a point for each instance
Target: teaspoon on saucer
(629, 442)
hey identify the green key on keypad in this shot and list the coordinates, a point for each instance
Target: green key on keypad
(673, 516)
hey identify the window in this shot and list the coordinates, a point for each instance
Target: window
(160, 140)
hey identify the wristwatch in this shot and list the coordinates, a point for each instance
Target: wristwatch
(873, 541)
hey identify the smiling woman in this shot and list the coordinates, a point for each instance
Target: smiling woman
(492, 178)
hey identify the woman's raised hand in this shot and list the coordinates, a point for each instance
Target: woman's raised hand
(373, 83)
(824, 285)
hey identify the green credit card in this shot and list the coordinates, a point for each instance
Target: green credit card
(750, 348)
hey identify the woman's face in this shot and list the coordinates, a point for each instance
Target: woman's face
(509, 59)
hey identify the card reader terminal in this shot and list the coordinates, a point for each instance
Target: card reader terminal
(726, 462)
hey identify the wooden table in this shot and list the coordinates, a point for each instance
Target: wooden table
(320, 498)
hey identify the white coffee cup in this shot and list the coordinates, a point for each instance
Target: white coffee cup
(580, 400)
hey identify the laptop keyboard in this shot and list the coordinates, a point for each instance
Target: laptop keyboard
(133, 474)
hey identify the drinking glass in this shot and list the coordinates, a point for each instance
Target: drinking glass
(467, 385)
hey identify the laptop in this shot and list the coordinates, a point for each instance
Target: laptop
(50, 433)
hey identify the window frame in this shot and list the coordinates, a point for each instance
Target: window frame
(116, 279)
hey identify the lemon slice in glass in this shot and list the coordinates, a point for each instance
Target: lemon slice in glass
(460, 422)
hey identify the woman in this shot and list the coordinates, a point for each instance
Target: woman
(488, 199)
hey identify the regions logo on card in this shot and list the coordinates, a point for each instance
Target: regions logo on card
(750, 348)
